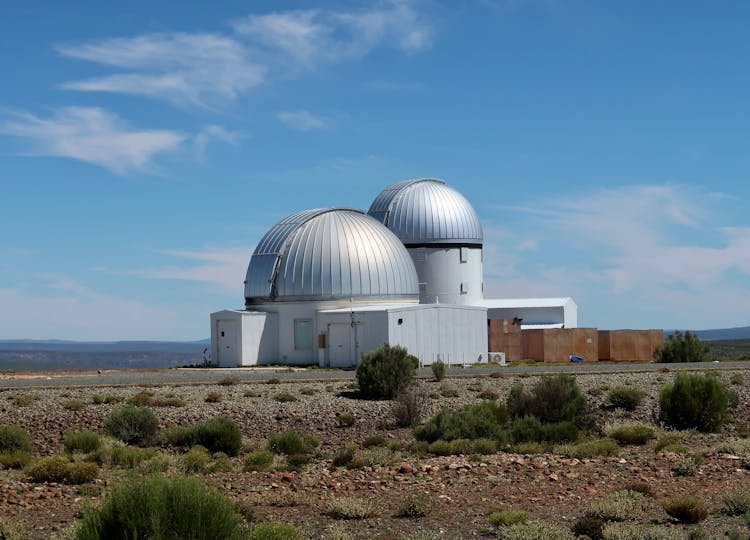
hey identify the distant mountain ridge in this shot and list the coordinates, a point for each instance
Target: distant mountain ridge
(58, 345)
(740, 332)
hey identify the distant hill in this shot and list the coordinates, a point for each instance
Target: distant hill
(742, 332)
(104, 346)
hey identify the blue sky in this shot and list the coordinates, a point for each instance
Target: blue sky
(145, 149)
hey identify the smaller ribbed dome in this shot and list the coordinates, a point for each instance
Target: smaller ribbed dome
(329, 254)
(427, 211)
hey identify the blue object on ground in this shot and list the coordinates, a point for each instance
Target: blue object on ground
(576, 358)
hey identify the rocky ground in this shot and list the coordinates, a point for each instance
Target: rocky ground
(460, 491)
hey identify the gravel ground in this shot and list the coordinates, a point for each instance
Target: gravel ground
(462, 490)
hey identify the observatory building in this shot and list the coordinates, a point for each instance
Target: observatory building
(324, 286)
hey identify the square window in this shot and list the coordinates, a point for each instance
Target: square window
(400, 322)
(303, 334)
(464, 254)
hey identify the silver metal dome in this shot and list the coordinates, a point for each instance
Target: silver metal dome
(427, 211)
(329, 254)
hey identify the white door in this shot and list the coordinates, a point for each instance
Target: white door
(228, 351)
(340, 352)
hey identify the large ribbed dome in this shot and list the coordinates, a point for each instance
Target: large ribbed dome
(329, 254)
(427, 211)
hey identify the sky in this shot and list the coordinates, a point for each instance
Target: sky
(145, 148)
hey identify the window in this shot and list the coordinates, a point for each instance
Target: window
(400, 321)
(222, 333)
(464, 254)
(303, 334)
(464, 287)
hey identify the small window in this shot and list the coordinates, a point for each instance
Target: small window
(222, 333)
(464, 287)
(464, 254)
(419, 255)
(400, 322)
(303, 334)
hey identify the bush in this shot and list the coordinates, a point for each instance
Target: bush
(534, 530)
(680, 347)
(60, 469)
(14, 438)
(81, 473)
(438, 370)
(590, 527)
(412, 506)
(384, 372)
(737, 501)
(273, 531)
(146, 398)
(372, 457)
(374, 440)
(408, 407)
(284, 397)
(344, 456)
(219, 434)
(114, 453)
(694, 401)
(484, 420)
(289, 443)
(685, 508)
(449, 390)
(630, 432)
(347, 420)
(214, 397)
(503, 518)
(14, 459)
(632, 531)
(619, 505)
(485, 446)
(527, 448)
(351, 508)
(195, 460)
(530, 429)
(261, 460)
(132, 424)
(84, 441)
(626, 397)
(487, 393)
(589, 449)
(553, 399)
(161, 508)
(73, 404)
(11, 530)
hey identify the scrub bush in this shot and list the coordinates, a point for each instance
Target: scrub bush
(14, 459)
(408, 407)
(351, 508)
(196, 460)
(261, 460)
(737, 501)
(590, 527)
(484, 420)
(530, 429)
(412, 506)
(630, 432)
(132, 424)
(551, 400)
(14, 438)
(504, 518)
(626, 397)
(218, 434)
(84, 441)
(633, 531)
(273, 531)
(384, 372)
(438, 370)
(694, 401)
(680, 347)
(685, 508)
(60, 469)
(589, 449)
(160, 508)
(619, 505)
(534, 530)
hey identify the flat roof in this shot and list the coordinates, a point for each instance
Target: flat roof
(386, 307)
(525, 302)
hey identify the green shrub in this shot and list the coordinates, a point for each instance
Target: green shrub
(384, 372)
(344, 456)
(14, 459)
(630, 432)
(114, 453)
(260, 460)
(589, 449)
(632, 531)
(196, 460)
(618, 505)
(97, 399)
(737, 501)
(73, 404)
(273, 531)
(694, 401)
(60, 469)
(12, 530)
(534, 530)
(81, 473)
(504, 518)
(530, 429)
(14, 438)
(219, 434)
(347, 420)
(161, 508)
(441, 448)
(670, 443)
(685, 508)
(527, 448)
(553, 399)
(291, 442)
(83, 441)
(351, 508)
(485, 446)
(408, 407)
(626, 397)
(412, 506)
(590, 527)
(374, 440)
(214, 397)
(680, 347)
(484, 420)
(438, 370)
(132, 424)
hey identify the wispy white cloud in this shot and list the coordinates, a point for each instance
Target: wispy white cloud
(215, 133)
(92, 135)
(182, 68)
(657, 248)
(221, 267)
(302, 120)
(205, 68)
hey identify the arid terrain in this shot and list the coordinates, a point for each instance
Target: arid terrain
(458, 492)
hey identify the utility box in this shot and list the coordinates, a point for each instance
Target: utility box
(629, 345)
(557, 344)
(505, 336)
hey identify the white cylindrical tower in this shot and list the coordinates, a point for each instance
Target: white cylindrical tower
(442, 232)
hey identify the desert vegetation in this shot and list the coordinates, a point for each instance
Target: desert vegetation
(647, 455)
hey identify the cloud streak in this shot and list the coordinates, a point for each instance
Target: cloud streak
(302, 120)
(92, 135)
(200, 69)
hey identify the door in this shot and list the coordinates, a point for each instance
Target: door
(227, 332)
(340, 353)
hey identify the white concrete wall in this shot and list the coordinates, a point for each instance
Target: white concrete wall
(368, 330)
(537, 315)
(254, 339)
(442, 273)
(455, 334)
